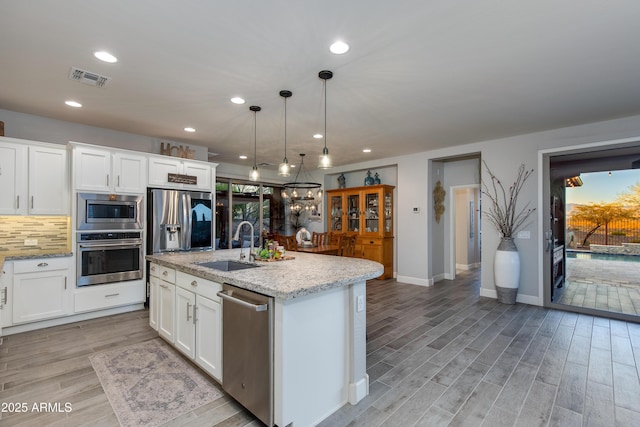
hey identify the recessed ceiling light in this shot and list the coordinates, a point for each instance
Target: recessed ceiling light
(187, 129)
(105, 56)
(366, 150)
(237, 100)
(318, 136)
(339, 48)
(73, 104)
(243, 157)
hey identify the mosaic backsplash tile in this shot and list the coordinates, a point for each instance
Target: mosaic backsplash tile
(53, 235)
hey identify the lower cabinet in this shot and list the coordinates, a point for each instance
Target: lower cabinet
(188, 315)
(40, 289)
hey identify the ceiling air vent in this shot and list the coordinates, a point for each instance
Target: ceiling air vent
(88, 77)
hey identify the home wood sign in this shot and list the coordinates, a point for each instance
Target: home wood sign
(177, 151)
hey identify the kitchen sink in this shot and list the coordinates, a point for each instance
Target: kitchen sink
(227, 265)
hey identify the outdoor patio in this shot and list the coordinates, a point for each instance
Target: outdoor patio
(603, 285)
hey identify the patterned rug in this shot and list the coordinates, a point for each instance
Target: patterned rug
(149, 384)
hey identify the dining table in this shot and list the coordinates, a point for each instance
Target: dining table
(320, 249)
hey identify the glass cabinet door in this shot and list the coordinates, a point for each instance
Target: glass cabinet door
(353, 212)
(372, 212)
(388, 212)
(335, 203)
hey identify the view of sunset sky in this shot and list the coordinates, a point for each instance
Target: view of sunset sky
(599, 187)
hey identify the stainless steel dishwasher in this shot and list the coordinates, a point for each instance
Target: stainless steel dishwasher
(247, 350)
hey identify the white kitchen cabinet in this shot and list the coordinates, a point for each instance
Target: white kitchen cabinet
(188, 315)
(161, 166)
(185, 323)
(109, 171)
(48, 181)
(40, 289)
(34, 178)
(209, 336)
(166, 312)
(6, 294)
(13, 178)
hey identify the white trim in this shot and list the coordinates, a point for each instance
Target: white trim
(541, 193)
(69, 319)
(359, 390)
(415, 281)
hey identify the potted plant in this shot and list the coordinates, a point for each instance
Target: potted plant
(505, 216)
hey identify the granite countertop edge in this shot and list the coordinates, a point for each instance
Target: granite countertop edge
(296, 278)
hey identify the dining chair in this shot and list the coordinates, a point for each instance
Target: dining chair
(289, 242)
(334, 238)
(319, 239)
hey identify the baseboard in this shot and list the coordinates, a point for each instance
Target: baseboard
(69, 319)
(438, 277)
(522, 298)
(415, 281)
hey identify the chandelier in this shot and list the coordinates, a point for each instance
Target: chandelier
(302, 193)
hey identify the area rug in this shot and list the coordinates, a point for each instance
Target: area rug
(149, 384)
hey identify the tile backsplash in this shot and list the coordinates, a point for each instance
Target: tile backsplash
(33, 235)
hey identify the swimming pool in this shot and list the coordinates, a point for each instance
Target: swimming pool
(603, 257)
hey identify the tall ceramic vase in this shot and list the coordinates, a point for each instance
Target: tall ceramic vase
(506, 271)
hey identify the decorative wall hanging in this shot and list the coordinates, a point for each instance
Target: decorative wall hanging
(438, 200)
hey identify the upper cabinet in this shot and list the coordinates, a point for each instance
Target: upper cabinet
(173, 172)
(109, 171)
(34, 178)
(366, 211)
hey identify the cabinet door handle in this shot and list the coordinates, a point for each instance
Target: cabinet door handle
(107, 180)
(31, 202)
(65, 283)
(18, 201)
(194, 283)
(43, 264)
(118, 180)
(189, 317)
(5, 293)
(111, 295)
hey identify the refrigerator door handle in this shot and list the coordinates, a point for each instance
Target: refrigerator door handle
(185, 213)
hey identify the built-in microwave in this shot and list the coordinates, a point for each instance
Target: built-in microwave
(109, 212)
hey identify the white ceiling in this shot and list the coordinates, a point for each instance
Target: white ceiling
(421, 74)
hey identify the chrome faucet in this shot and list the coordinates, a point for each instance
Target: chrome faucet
(237, 237)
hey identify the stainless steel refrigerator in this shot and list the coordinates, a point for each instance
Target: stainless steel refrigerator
(179, 221)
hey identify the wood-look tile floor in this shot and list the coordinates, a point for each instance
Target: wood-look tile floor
(436, 356)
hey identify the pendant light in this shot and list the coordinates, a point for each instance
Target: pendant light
(284, 169)
(255, 174)
(325, 160)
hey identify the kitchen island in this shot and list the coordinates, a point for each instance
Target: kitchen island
(319, 330)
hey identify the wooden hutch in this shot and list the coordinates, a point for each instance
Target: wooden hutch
(368, 213)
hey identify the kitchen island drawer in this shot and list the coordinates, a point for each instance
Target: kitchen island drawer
(106, 296)
(198, 285)
(165, 273)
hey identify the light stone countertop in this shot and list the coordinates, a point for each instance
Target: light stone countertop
(306, 274)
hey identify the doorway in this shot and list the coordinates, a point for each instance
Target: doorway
(464, 229)
(588, 266)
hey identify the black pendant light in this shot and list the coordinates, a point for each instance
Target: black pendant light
(284, 169)
(325, 160)
(254, 175)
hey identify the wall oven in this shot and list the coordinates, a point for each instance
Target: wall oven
(109, 212)
(109, 257)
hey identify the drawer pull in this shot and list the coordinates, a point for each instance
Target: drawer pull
(111, 295)
(164, 286)
(43, 264)
(165, 273)
(194, 283)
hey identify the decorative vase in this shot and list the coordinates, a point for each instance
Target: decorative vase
(368, 179)
(506, 271)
